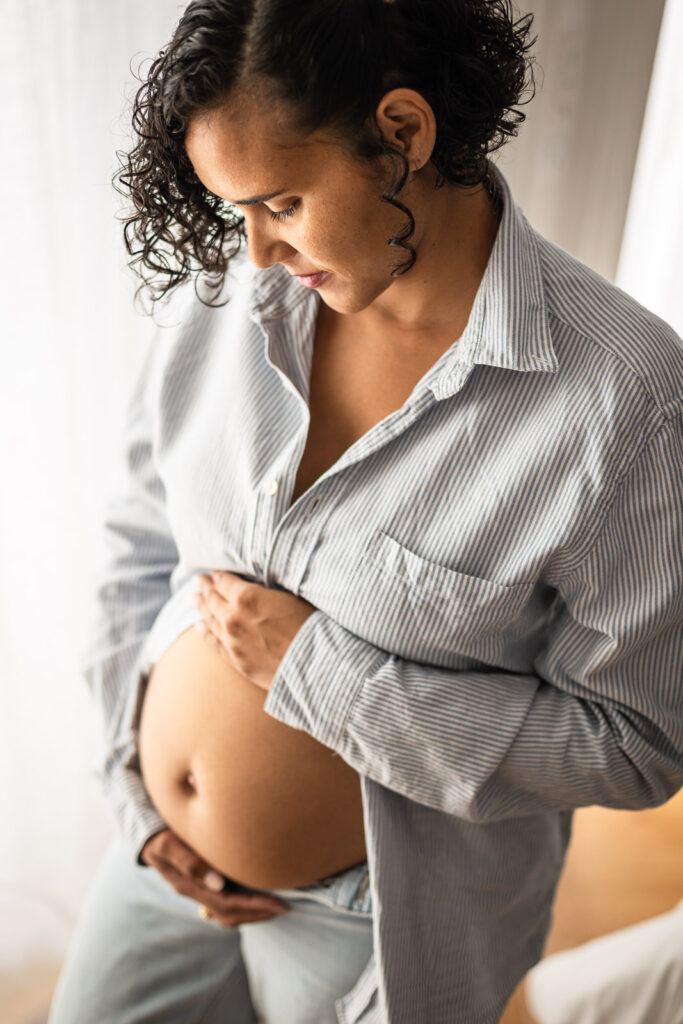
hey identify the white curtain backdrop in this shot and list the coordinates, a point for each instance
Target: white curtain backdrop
(651, 262)
(70, 340)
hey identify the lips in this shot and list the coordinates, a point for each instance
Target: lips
(312, 280)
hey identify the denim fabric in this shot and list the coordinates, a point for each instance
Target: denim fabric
(142, 955)
(348, 890)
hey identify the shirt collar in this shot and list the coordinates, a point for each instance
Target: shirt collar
(275, 293)
(508, 324)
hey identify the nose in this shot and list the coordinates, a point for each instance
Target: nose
(264, 245)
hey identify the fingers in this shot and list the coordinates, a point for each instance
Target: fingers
(225, 598)
(208, 624)
(225, 901)
(209, 633)
(230, 586)
(190, 864)
(166, 848)
(190, 875)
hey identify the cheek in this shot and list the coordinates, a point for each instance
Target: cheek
(335, 244)
(360, 237)
(349, 235)
(379, 222)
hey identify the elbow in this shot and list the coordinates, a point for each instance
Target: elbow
(648, 768)
(653, 785)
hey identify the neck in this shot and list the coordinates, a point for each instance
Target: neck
(455, 235)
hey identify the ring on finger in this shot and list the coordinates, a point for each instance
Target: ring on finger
(204, 913)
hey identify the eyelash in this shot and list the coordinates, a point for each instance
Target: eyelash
(283, 214)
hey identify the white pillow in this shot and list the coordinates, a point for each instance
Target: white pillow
(633, 976)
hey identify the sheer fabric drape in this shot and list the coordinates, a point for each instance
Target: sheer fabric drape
(651, 261)
(69, 339)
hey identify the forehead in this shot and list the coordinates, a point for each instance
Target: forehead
(238, 150)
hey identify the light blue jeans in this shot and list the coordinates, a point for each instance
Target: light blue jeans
(142, 955)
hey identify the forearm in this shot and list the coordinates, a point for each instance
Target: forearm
(479, 745)
(596, 721)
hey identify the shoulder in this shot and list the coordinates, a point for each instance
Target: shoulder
(607, 331)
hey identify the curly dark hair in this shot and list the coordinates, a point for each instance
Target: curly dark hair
(330, 62)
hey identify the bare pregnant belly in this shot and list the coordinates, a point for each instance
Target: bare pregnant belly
(266, 804)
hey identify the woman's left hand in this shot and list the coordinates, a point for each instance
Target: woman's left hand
(251, 624)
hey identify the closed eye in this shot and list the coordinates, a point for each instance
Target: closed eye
(283, 214)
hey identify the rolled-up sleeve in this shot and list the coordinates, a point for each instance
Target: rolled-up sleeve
(599, 722)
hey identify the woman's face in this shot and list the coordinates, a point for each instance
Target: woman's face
(323, 212)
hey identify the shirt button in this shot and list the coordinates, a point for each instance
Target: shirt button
(271, 487)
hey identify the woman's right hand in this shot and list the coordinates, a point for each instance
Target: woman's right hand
(192, 876)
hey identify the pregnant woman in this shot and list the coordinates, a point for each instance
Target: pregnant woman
(416, 474)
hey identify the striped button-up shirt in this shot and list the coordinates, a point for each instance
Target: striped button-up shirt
(496, 568)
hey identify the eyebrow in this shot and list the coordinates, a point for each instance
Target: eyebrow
(256, 199)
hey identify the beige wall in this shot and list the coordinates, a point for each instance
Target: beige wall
(572, 165)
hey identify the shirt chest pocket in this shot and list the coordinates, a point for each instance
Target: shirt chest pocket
(423, 611)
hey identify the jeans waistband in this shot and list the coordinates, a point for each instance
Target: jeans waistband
(347, 890)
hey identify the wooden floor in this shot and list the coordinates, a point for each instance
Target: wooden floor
(622, 867)
(25, 998)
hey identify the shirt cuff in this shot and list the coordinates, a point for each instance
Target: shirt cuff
(317, 682)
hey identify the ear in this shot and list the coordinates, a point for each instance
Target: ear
(407, 121)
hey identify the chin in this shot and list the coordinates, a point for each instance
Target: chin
(350, 300)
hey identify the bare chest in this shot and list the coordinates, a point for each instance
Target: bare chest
(356, 381)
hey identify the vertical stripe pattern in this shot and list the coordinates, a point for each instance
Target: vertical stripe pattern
(497, 572)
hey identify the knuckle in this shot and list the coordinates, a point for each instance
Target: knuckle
(178, 861)
(193, 870)
(163, 843)
(244, 596)
(232, 624)
(239, 660)
(160, 863)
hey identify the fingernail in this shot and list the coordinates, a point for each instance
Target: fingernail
(214, 881)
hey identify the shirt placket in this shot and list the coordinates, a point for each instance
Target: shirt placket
(277, 482)
(300, 530)
(286, 536)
